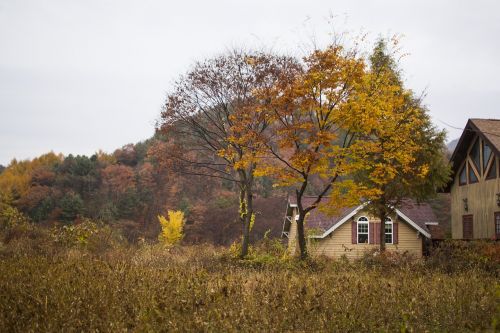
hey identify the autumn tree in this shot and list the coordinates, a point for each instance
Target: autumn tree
(126, 155)
(16, 179)
(405, 157)
(204, 115)
(171, 229)
(310, 144)
(37, 202)
(118, 179)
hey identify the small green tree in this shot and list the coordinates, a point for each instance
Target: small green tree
(171, 229)
(71, 206)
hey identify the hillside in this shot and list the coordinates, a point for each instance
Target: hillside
(129, 189)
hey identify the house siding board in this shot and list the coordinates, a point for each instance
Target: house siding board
(395, 233)
(481, 202)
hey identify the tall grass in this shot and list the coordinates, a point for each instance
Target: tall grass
(46, 287)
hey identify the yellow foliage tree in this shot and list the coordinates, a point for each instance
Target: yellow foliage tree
(311, 143)
(403, 153)
(15, 179)
(172, 230)
(341, 132)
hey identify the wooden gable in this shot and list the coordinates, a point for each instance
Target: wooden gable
(476, 156)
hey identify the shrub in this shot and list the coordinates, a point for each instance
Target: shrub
(453, 256)
(388, 259)
(171, 229)
(11, 216)
(93, 236)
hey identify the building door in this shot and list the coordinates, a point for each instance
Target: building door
(467, 227)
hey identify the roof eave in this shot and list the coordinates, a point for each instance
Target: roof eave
(484, 137)
(342, 221)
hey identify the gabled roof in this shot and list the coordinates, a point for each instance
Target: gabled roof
(487, 129)
(317, 220)
(415, 214)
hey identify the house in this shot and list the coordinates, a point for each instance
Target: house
(355, 230)
(475, 186)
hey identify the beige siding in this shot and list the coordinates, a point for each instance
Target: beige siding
(482, 205)
(339, 242)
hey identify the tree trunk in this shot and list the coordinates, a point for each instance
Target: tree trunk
(246, 223)
(383, 216)
(301, 236)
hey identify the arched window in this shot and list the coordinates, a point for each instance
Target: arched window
(388, 231)
(363, 226)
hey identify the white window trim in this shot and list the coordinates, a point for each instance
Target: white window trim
(389, 221)
(367, 222)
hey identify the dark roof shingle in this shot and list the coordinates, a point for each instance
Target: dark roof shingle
(490, 128)
(318, 221)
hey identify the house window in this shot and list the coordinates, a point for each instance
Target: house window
(463, 176)
(388, 231)
(493, 170)
(362, 230)
(474, 154)
(497, 225)
(486, 155)
(472, 175)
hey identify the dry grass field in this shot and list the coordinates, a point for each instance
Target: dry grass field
(49, 283)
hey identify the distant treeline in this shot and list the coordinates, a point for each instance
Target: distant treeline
(128, 188)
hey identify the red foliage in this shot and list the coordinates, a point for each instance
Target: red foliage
(118, 178)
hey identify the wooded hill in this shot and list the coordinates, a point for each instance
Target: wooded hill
(128, 189)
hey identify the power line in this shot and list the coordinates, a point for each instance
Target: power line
(467, 129)
(446, 124)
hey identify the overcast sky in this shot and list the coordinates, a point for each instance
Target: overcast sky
(78, 76)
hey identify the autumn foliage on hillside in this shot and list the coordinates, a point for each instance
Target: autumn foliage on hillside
(128, 189)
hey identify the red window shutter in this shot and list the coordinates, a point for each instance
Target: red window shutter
(395, 236)
(377, 233)
(354, 233)
(371, 233)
